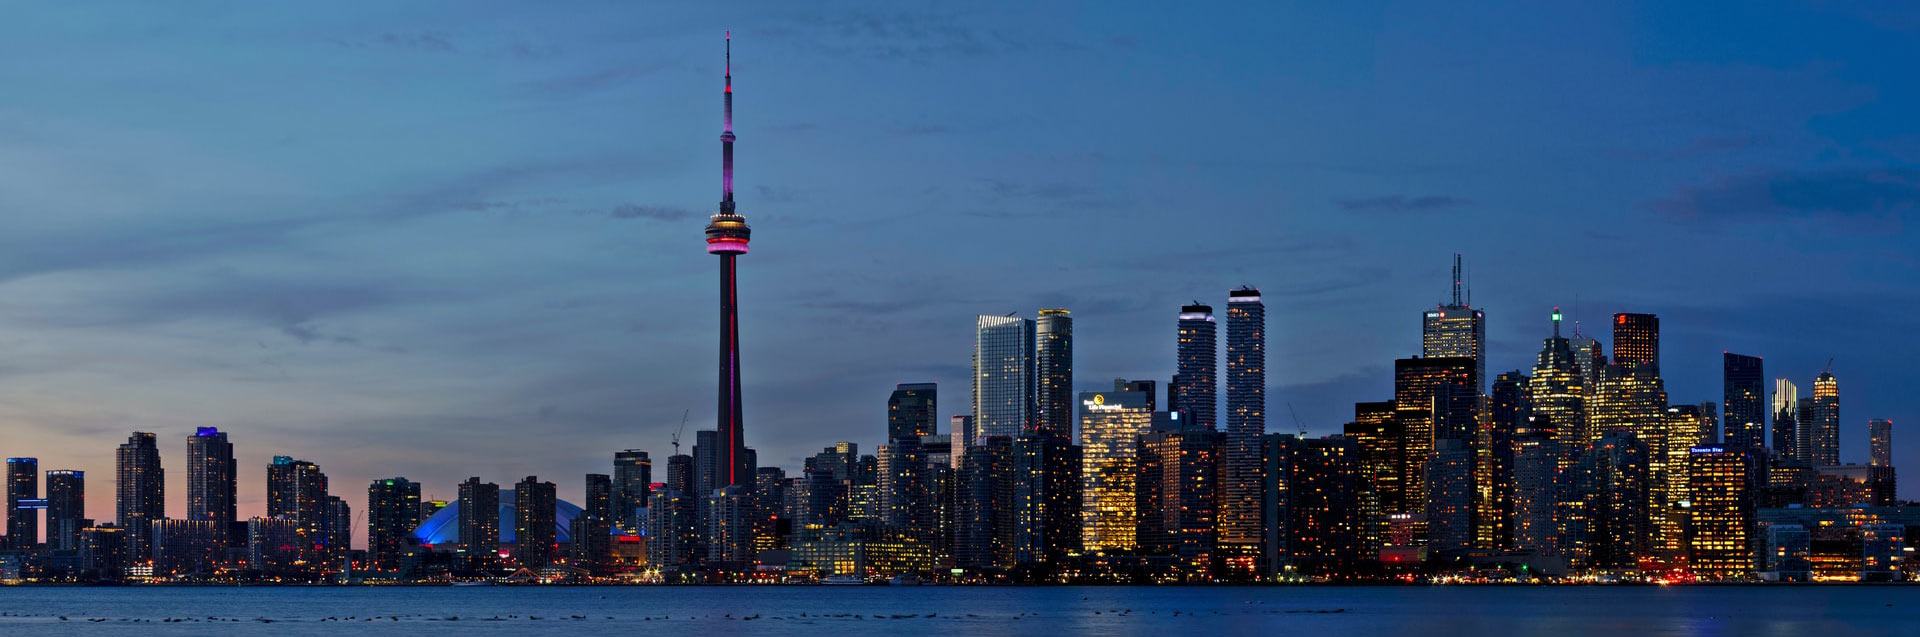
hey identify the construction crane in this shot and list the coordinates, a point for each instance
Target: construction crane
(1829, 368)
(1296, 420)
(683, 428)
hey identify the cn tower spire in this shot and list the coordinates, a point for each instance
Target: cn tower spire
(727, 235)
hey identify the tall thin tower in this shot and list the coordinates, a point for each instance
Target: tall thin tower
(727, 235)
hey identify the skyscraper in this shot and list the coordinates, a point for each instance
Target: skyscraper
(912, 410)
(1744, 393)
(632, 480)
(1456, 330)
(212, 485)
(535, 522)
(1450, 518)
(984, 516)
(1047, 496)
(1787, 441)
(1589, 357)
(1722, 483)
(1196, 369)
(1611, 525)
(1508, 406)
(1003, 376)
(1415, 381)
(66, 508)
(1880, 443)
(727, 236)
(1111, 424)
(592, 529)
(1634, 400)
(480, 520)
(1825, 421)
(1053, 354)
(23, 483)
(140, 491)
(1240, 513)
(1322, 512)
(1558, 391)
(1636, 340)
(1179, 494)
(296, 489)
(393, 510)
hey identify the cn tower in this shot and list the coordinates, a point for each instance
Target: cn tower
(727, 236)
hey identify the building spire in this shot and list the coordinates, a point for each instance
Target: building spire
(1456, 280)
(1556, 321)
(726, 138)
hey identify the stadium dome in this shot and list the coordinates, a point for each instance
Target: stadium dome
(444, 526)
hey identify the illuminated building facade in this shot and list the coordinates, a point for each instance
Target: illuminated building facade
(211, 480)
(1246, 419)
(1636, 340)
(479, 521)
(1788, 442)
(1824, 422)
(1415, 380)
(1744, 387)
(1053, 374)
(632, 485)
(1196, 370)
(1450, 495)
(912, 409)
(1455, 330)
(187, 547)
(23, 483)
(1377, 438)
(984, 520)
(1179, 492)
(1047, 497)
(727, 236)
(1508, 405)
(1111, 424)
(1558, 391)
(1613, 525)
(729, 524)
(1634, 400)
(535, 509)
(1004, 403)
(1880, 442)
(1323, 486)
(140, 492)
(1536, 491)
(393, 511)
(66, 508)
(1722, 482)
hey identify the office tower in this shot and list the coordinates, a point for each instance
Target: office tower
(1377, 437)
(273, 545)
(709, 462)
(1744, 382)
(1195, 376)
(1636, 340)
(1003, 377)
(1450, 515)
(139, 492)
(984, 533)
(480, 519)
(1558, 391)
(1508, 406)
(671, 521)
(729, 527)
(1111, 424)
(1415, 381)
(906, 501)
(535, 522)
(1589, 357)
(912, 410)
(393, 510)
(1883, 547)
(1322, 521)
(66, 508)
(773, 524)
(632, 479)
(959, 432)
(680, 473)
(1536, 489)
(1610, 525)
(187, 547)
(1047, 497)
(23, 483)
(1246, 419)
(1053, 373)
(727, 236)
(1688, 426)
(1722, 482)
(1787, 441)
(1788, 548)
(1179, 492)
(1276, 451)
(592, 529)
(1824, 422)
(1455, 330)
(212, 484)
(1635, 400)
(1880, 442)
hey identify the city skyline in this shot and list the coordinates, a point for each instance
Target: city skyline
(219, 299)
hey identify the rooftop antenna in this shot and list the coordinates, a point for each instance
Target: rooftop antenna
(1456, 279)
(683, 428)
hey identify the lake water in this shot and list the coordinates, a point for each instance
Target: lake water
(1563, 611)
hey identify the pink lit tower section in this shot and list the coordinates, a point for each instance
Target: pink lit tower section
(727, 235)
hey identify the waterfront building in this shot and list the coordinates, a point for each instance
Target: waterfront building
(984, 520)
(273, 545)
(729, 526)
(1744, 386)
(1610, 524)
(187, 547)
(1053, 375)
(1449, 511)
(1196, 370)
(632, 480)
(1111, 424)
(1003, 377)
(393, 511)
(1722, 482)
(212, 485)
(23, 484)
(1240, 509)
(478, 528)
(1634, 400)
(66, 508)
(1047, 496)
(1415, 381)
(104, 551)
(1323, 488)
(1787, 558)
(1508, 406)
(1536, 488)
(535, 515)
(1179, 491)
(671, 524)
(1377, 437)
(140, 492)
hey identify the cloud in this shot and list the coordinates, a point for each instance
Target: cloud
(655, 213)
(1851, 193)
(597, 80)
(910, 37)
(1401, 203)
(426, 41)
(922, 129)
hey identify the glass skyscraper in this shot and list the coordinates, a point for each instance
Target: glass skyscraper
(1880, 443)
(211, 481)
(1824, 422)
(1636, 340)
(1456, 330)
(23, 483)
(1744, 394)
(1111, 424)
(1003, 376)
(140, 491)
(1053, 351)
(1196, 369)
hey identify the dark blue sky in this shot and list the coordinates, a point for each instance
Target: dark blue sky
(463, 238)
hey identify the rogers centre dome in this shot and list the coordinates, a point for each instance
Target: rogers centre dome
(444, 526)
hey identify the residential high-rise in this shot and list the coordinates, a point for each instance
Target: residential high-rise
(23, 483)
(535, 522)
(1787, 441)
(66, 508)
(1196, 369)
(1240, 510)
(632, 481)
(727, 236)
(1610, 524)
(1111, 424)
(139, 492)
(1508, 406)
(1559, 392)
(1450, 490)
(729, 525)
(480, 520)
(212, 484)
(592, 529)
(1536, 488)
(1636, 340)
(1722, 482)
(393, 510)
(1377, 437)
(1047, 496)
(1004, 403)
(912, 410)
(905, 501)
(984, 516)
(1456, 330)
(1824, 422)
(1415, 381)
(187, 546)
(670, 520)
(296, 489)
(1744, 392)
(1053, 373)
(1179, 494)
(1322, 514)
(1880, 442)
